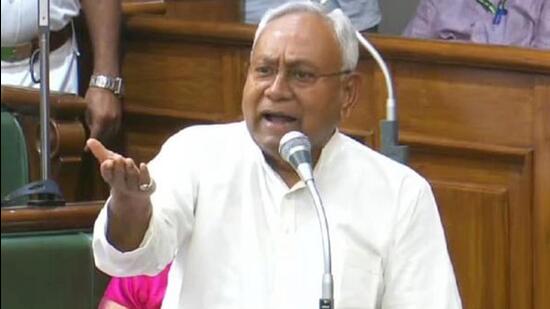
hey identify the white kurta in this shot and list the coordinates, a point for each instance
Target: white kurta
(20, 25)
(242, 239)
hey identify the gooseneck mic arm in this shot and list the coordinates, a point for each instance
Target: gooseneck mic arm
(389, 128)
(391, 109)
(295, 149)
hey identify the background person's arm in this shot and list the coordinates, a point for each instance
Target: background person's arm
(104, 109)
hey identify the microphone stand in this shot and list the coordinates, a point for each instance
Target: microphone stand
(45, 192)
(48, 192)
(295, 149)
(44, 41)
(327, 297)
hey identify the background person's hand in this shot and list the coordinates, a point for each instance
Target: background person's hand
(103, 114)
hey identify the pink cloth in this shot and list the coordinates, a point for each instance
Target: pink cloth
(139, 292)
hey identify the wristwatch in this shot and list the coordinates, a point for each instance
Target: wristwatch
(107, 82)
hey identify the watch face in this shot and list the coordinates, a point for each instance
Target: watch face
(101, 81)
(106, 82)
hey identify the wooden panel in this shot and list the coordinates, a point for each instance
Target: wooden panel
(477, 184)
(214, 10)
(541, 194)
(481, 264)
(144, 141)
(467, 175)
(193, 79)
(483, 100)
(135, 7)
(177, 65)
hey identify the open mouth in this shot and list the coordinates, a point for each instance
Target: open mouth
(278, 118)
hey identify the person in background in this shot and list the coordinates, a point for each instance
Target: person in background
(20, 41)
(364, 14)
(524, 23)
(235, 218)
(138, 292)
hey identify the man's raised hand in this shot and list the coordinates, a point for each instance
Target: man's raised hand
(130, 206)
(122, 174)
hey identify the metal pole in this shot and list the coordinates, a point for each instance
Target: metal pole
(45, 192)
(44, 41)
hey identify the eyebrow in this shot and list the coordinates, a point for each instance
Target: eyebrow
(291, 64)
(265, 60)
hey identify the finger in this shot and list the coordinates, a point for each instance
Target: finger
(144, 177)
(119, 173)
(107, 169)
(98, 150)
(132, 174)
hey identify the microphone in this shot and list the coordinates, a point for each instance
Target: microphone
(295, 148)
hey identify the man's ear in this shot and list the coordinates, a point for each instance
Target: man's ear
(351, 86)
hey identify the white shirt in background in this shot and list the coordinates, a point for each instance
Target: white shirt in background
(20, 25)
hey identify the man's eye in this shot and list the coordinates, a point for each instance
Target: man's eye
(303, 76)
(263, 71)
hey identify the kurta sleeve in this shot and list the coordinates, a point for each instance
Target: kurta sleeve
(419, 274)
(170, 227)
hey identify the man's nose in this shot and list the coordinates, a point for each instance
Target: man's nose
(279, 87)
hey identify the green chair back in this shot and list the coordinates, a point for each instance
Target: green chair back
(15, 166)
(49, 270)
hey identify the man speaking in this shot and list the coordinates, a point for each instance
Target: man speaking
(237, 221)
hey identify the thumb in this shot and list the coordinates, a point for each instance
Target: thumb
(99, 151)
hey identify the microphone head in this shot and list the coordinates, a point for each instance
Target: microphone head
(295, 149)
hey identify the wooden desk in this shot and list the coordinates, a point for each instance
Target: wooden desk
(476, 119)
(137, 7)
(73, 216)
